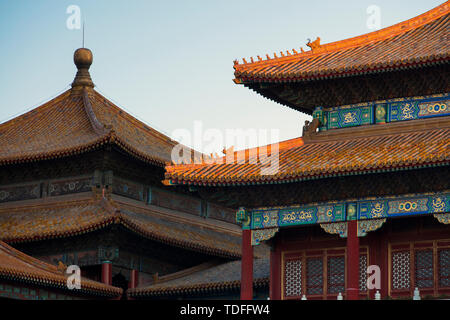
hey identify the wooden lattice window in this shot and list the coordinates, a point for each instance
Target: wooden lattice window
(401, 270)
(318, 273)
(336, 275)
(444, 267)
(424, 268)
(363, 272)
(314, 276)
(422, 264)
(293, 278)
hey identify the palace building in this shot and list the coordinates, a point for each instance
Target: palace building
(80, 184)
(367, 184)
(364, 192)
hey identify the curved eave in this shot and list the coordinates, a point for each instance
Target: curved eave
(58, 282)
(206, 288)
(416, 25)
(133, 227)
(182, 244)
(175, 180)
(110, 138)
(254, 82)
(248, 78)
(61, 284)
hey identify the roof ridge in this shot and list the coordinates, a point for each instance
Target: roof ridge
(108, 206)
(253, 151)
(96, 132)
(142, 125)
(97, 126)
(33, 270)
(193, 245)
(203, 287)
(79, 120)
(173, 216)
(366, 38)
(115, 138)
(187, 272)
(28, 259)
(319, 159)
(57, 203)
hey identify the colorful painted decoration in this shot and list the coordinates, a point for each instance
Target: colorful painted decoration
(443, 217)
(262, 235)
(363, 209)
(339, 228)
(297, 215)
(342, 118)
(243, 217)
(364, 227)
(383, 111)
(404, 206)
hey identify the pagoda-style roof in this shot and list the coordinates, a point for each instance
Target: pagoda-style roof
(76, 121)
(218, 279)
(351, 151)
(40, 220)
(17, 266)
(300, 79)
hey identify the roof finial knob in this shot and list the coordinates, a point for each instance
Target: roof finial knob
(83, 59)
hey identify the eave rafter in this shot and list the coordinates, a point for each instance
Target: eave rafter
(304, 96)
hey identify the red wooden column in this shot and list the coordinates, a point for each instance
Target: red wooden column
(134, 276)
(275, 272)
(373, 257)
(107, 272)
(352, 260)
(247, 266)
(384, 263)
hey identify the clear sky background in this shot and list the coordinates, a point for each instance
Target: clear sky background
(170, 63)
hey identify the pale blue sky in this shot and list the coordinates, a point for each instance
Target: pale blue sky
(170, 63)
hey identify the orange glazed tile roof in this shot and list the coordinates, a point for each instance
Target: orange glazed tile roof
(75, 123)
(419, 41)
(16, 265)
(65, 219)
(384, 150)
(220, 278)
(78, 120)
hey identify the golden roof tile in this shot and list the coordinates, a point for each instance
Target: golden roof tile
(314, 159)
(78, 120)
(218, 278)
(59, 220)
(411, 43)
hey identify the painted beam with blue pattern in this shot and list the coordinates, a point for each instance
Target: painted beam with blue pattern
(384, 111)
(362, 209)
